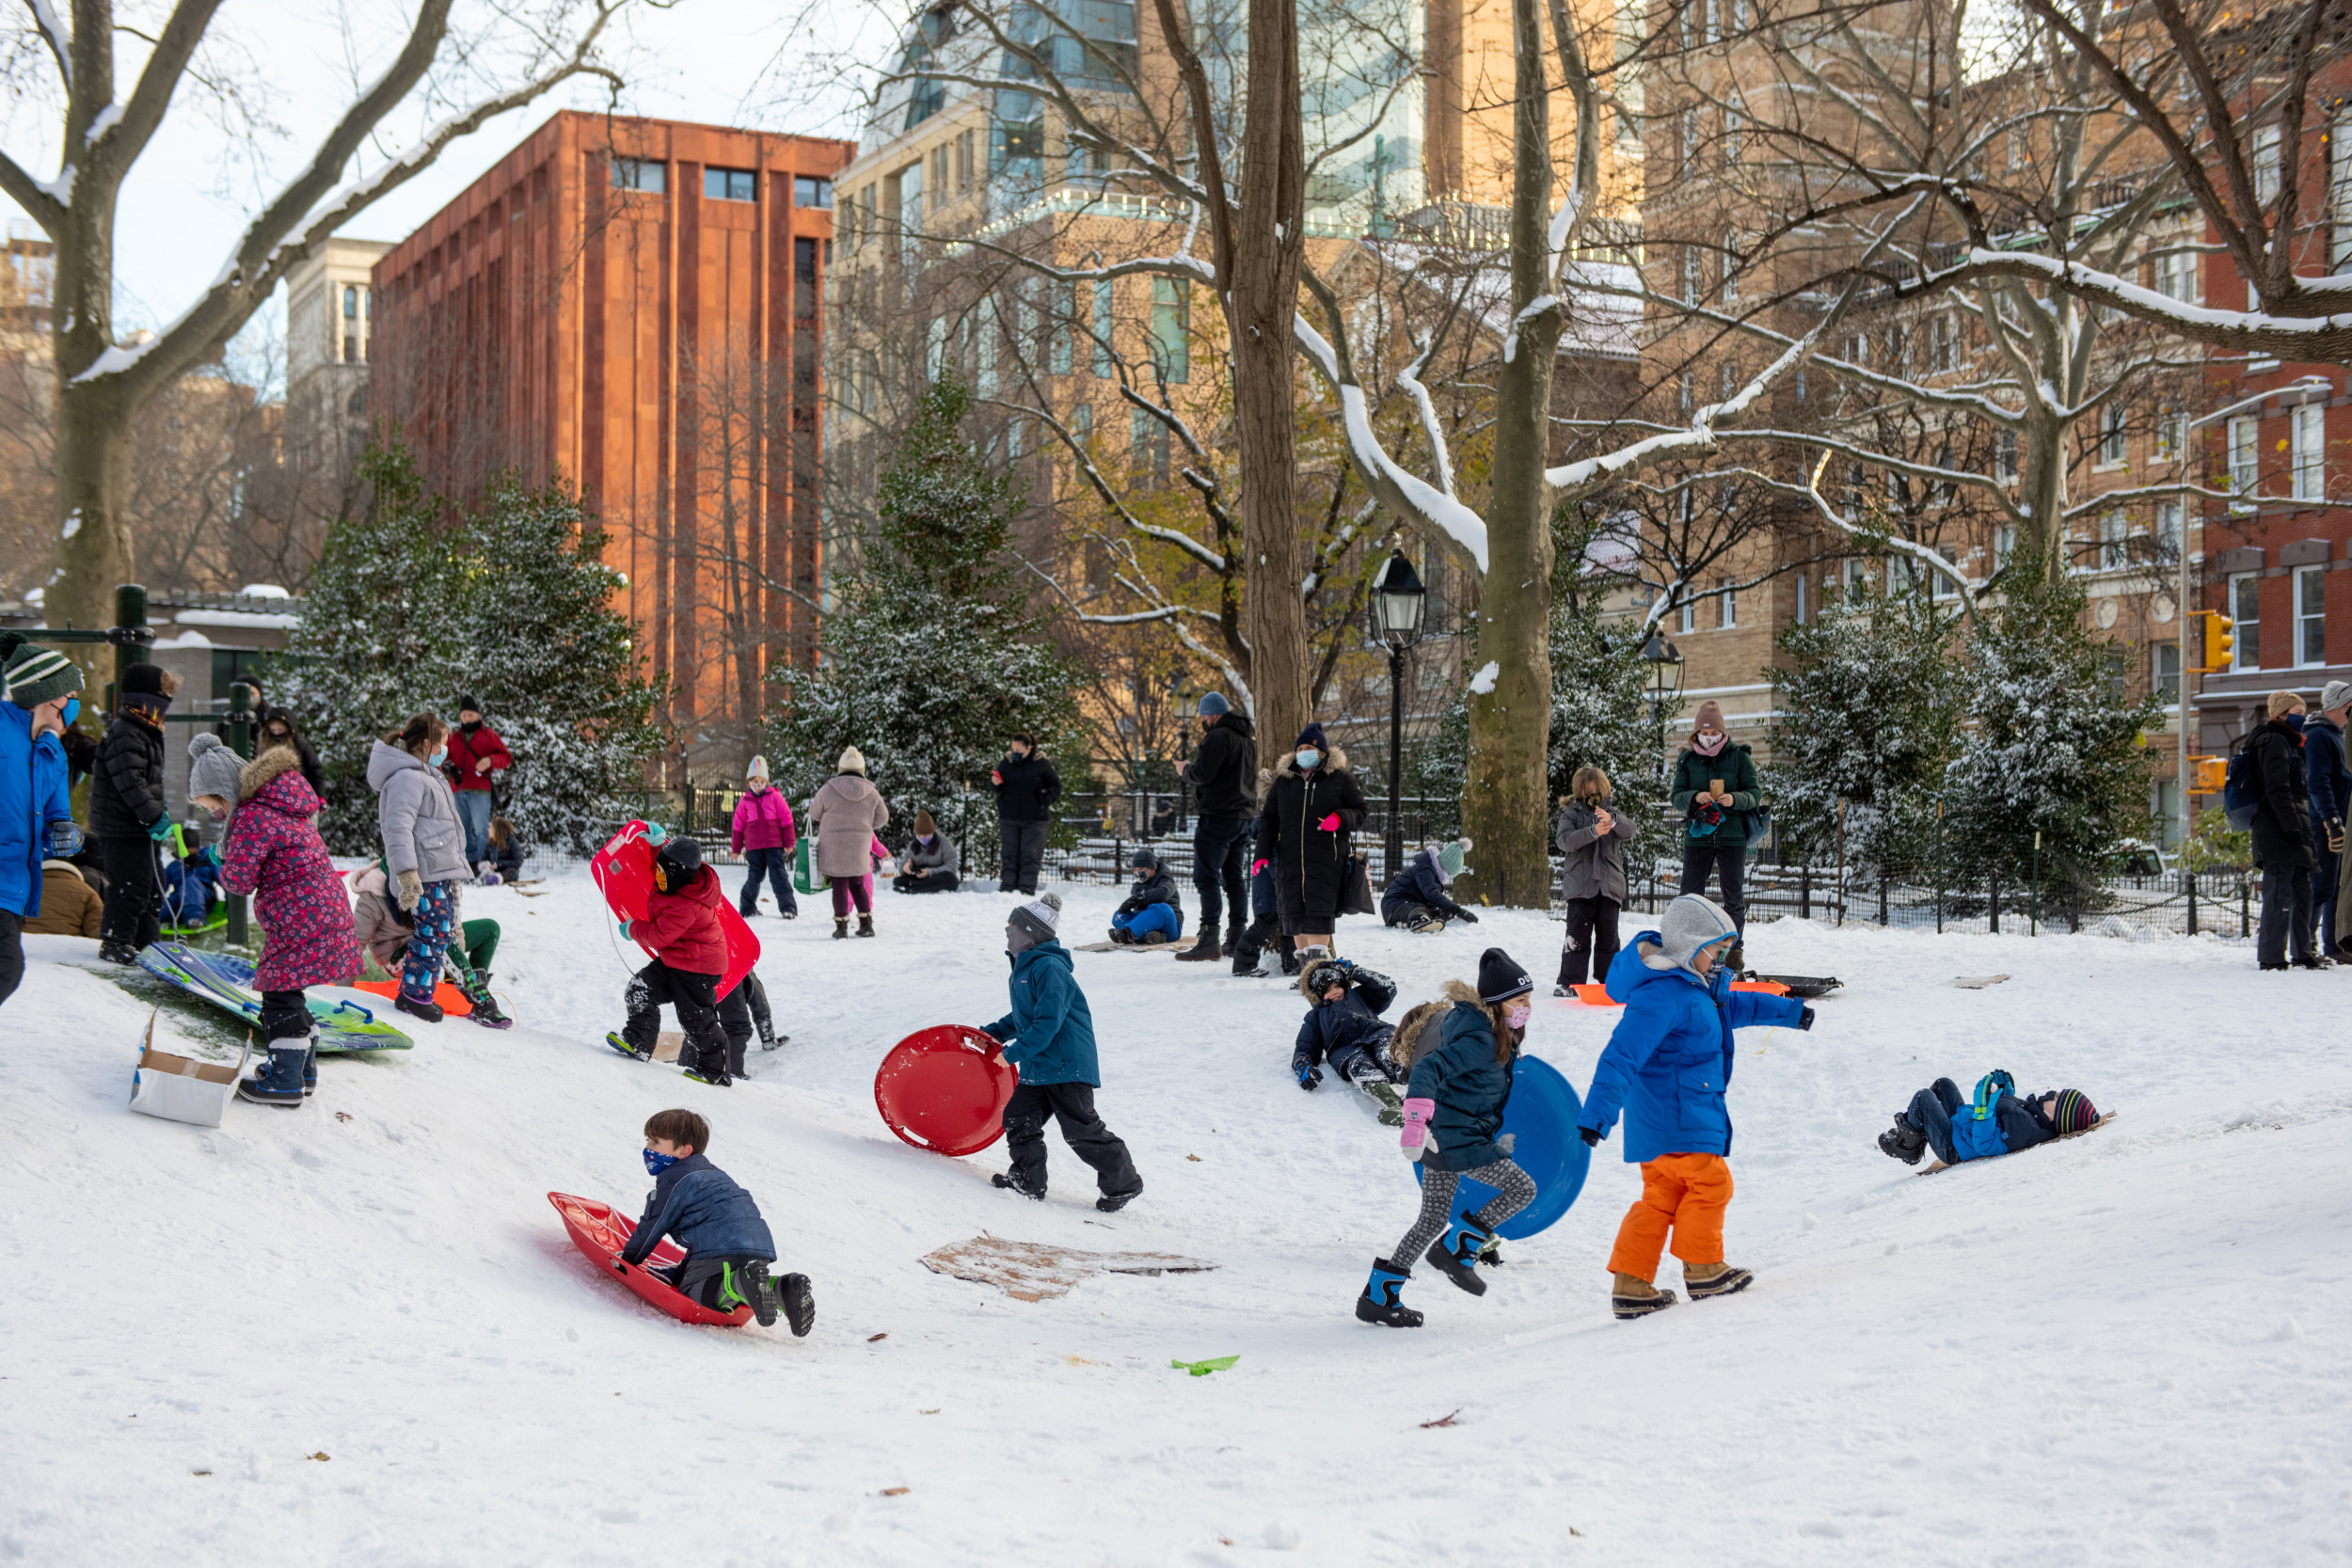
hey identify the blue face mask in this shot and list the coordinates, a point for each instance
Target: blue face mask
(656, 1163)
(1308, 757)
(73, 710)
(440, 756)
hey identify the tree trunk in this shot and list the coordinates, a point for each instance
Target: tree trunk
(94, 551)
(1505, 794)
(1268, 245)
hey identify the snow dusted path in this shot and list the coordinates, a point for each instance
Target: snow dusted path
(2130, 1348)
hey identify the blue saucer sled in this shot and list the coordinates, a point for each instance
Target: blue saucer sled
(1542, 1117)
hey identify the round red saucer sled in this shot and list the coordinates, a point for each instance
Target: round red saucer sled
(945, 1089)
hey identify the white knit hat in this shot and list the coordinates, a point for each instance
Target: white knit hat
(852, 761)
(758, 770)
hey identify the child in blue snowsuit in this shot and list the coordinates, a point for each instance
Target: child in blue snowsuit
(1343, 1025)
(1049, 1037)
(1668, 1064)
(1997, 1121)
(190, 885)
(727, 1244)
(1154, 912)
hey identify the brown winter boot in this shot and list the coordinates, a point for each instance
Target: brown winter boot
(1714, 1279)
(866, 925)
(1635, 1297)
(841, 928)
(1204, 950)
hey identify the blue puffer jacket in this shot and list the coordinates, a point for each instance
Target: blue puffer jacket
(32, 796)
(699, 1206)
(1669, 1062)
(1049, 1035)
(1470, 1086)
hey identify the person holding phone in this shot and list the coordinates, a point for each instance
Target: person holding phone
(1716, 791)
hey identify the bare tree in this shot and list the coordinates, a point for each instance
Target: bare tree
(103, 383)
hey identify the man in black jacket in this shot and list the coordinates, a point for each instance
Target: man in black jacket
(1223, 773)
(1027, 787)
(2330, 787)
(127, 813)
(2283, 837)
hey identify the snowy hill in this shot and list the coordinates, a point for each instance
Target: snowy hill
(2128, 1347)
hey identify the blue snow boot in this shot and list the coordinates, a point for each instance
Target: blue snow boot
(279, 1080)
(1456, 1253)
(1379, 1304)
(310, 1066)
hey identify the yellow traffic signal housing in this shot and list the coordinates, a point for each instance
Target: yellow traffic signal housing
(2207, 775)
(2219, 640)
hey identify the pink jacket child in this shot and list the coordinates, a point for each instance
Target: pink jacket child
(272, 851)
(763, 820)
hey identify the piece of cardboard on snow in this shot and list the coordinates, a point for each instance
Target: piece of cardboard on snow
(1977, 982)
(1031, 1271)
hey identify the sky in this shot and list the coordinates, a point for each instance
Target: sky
(183, 209)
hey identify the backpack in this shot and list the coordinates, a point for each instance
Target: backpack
(2241, 786)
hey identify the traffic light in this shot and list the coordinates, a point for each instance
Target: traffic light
(2219, 640)
(2208, 775)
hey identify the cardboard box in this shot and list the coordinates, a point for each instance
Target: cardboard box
(182, 1088)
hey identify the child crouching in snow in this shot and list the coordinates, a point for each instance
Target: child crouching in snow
(272, 851)
(727, 1244)
(1995, 1122)
(690, 945)
(1049, 1036)
(1454, 1108)
(1343, 1025)
(1669, 1064)
(1153, 912)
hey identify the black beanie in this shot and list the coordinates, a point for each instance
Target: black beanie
(680, 858)
(467, 704)
(1500, 977)
(143, 680)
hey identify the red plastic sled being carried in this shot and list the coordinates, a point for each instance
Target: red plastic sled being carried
(600, 1233)
(945, 1089)
(623, 870)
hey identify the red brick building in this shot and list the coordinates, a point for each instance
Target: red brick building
(635, 306)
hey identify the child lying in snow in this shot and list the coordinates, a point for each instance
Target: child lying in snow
(1343, 1025)
(1997, 1121)
(727, 1245)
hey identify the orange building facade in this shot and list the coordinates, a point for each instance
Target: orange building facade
(634, 305)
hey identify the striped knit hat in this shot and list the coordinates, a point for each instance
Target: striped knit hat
(2074, 1113)
(1042, 918)
(34, 674)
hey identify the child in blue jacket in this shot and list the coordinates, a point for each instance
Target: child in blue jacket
(1669, 1064)
(190, 885)
(1997, 1121)
(727, 1245)
(1343, 1025)
(1453, 1107)
(1049, 1037)
(1154, 910)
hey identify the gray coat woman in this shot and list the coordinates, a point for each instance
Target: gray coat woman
(846, 816)
(1593, 834)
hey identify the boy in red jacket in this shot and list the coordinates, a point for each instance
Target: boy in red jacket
(681, 925)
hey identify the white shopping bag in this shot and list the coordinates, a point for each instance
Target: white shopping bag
(181, 1088)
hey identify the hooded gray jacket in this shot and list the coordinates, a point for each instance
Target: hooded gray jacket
(1594, 867)
(416, 815)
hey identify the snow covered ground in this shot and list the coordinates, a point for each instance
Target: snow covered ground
(358, 1334)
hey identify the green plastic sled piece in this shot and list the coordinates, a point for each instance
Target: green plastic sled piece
(1202, 1368)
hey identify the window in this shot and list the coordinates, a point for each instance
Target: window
(910, 213)
(2111, 426)
(943, 177)
(2245, 609)
(1692, 275)
(1940, 585)
(1857, 349)
(2115, 536)
(809, 191)
(637, 174)
(1731, 135)
(935, 347)
(351, 302)
(1800, 605)
(730, 184)
(1687, 619)
(2004, 544)
(2169, 530)
(1688, 133)
(965, 174)
(2340, 188)
(1064, 327)
(1728, 598)
(862, 216)
(2267, 162)
(1858, 576)
(1172, 327)
(2171, 433)
(1940, 345)
(983, 330)
(2005, 456)
(2310, 452)
(1897, 348)
(2311, 616)
(1103, 328)
(2176, 275)
(2244, 458)
(1148, 438)
(1082, 423)
(2166, 674)
(1688, 400)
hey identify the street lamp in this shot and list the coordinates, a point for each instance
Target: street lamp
(2184, 458)
(1665, 686)
(1398, 600)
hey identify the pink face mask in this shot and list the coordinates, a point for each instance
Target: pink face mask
(1517, 1017)
(1709, 745)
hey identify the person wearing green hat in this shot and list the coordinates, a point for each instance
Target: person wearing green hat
(38, 699)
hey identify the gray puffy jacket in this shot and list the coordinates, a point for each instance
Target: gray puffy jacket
(1594, 867)
(416, 815)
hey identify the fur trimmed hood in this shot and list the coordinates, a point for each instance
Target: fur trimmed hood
(1334, 761)
(1417, 1031)
(256, 775)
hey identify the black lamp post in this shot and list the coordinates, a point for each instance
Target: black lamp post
(1398, 600)
(1665, 686)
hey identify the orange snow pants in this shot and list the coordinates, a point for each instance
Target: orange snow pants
(1686, 1193)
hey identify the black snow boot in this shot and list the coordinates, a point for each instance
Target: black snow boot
(1010, 1180)
(124, 954)
(1111, 1203)
(800, 1306)
(1456, 1253)
(423, 1007)
(1902, 1141)
(619, 1042)
(1380, 1302)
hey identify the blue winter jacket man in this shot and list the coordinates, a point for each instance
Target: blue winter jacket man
(700, 1207)
(32, 796)
(1049, 1035)
(1668, 1064)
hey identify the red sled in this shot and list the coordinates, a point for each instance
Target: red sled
(600, 1233)
(945, 1088)
(448, 997)
(623, 870)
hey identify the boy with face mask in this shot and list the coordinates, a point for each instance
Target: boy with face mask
(1049, 1036)
(727, 1244)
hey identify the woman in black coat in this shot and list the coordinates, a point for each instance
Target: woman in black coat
(1312, 810)
(278, 729)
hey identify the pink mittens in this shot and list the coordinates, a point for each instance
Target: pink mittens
(1330, 824)
(1417, 1113)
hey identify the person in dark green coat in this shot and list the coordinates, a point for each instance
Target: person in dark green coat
(1718, 822)
(1049, 1040)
